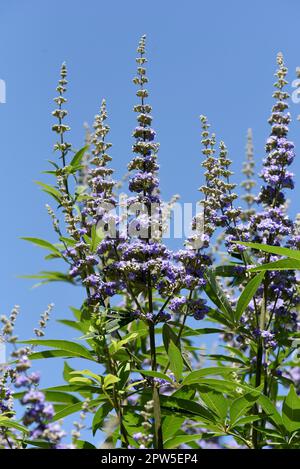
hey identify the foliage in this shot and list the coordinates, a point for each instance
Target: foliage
(144, 379)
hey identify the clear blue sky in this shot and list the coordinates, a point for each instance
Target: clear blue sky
(216, 58)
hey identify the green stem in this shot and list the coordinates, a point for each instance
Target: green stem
(158, 436)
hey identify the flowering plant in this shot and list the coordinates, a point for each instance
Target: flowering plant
(145, 382)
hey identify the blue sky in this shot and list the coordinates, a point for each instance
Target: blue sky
(215, 58)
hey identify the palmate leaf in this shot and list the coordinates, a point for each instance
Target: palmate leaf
(241, 405)
(215, 401)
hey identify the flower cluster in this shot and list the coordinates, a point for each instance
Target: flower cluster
(38, 413)
(249, 183)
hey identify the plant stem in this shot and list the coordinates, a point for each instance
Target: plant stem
(158, 436)
(259, 361)
(116, 401)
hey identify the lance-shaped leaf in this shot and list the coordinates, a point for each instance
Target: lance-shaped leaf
(247, 294)
(280, 251)
(68, 346)
(215, 292)
(291, 411)
(282, 264)
(173, 351)
(78, 156)
(241, 405)
(43, 244)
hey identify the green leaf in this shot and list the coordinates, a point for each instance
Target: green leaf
(97, 236)
(226, 270)
(109, 380)
(59, 396)
(10, 423)
(100, 415)
(171, 424)
(74, 324)
(248, 294)
(292, 253)
(39, 444)
(227, 386)
(215, 401)
(81, 379)
(66, 345)
(226, 358)
(176, 361)
(247, 419)
(188, 332)
(186, 407)
(291, 411)
(89, 373)
(50, 190)
(154, 374)
(71, 409)
(43, 244)
(270, 409)
(179, 440)
(282, 264)
(81, 444)
(194, 376)
(53, 354)
(215, 292)
(240, 406)
(78, 156)
(47, 276)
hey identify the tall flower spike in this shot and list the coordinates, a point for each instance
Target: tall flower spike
(63, 147)
(272, 224)
(298, 85)
(144, 182)
(249, 183)
(280, 152)
(99, 177)
(60, 128)
(97, 207)
(83, 172)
